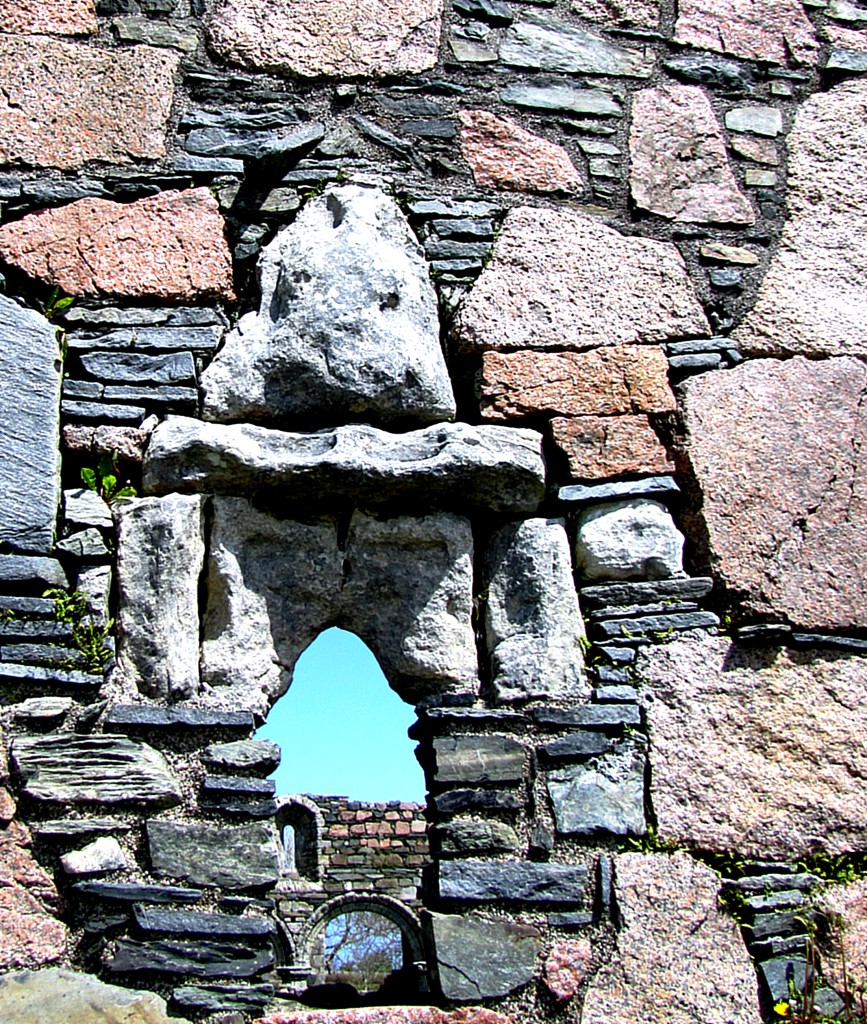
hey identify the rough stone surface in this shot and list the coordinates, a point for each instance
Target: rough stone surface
(600, 382)
(604, 446)
(328, 37)
(566, 968)
(502, 154)
(347, 327)
(128, 442)
(678, 958)
(260, 757)
(812, 300)
(541, 42)
(632, 13)
(444, 466)
(624, 540)
(844, 951)
(481, 959)
(678, 164)
(233, 857)
(767, 779)
(511, 880)
(469, 758)
(161, 553)
(766, 30)
(102, 104)
(533, 625)
(476, 835)
(169, 246)
(97, 858)
(37, 997)
(777, 450)
(32, 935)
(57, 17)
(606, 795)
(389, 1015)
(560, 279)
(30, 379)
(112, 770)
(83, 507)
(403, 585)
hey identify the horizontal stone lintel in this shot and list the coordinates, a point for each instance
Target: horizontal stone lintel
(132, 717)
(512, 881)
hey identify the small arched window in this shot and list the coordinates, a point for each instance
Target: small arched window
(298, 828)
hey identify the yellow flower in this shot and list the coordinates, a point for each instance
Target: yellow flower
(782, 1009)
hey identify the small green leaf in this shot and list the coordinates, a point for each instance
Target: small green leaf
(88, 478)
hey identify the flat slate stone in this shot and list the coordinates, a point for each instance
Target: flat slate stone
(250, 999)
(540, 41)
(111, 770)
(520, 881)
(78, 828)
(556, 94)
(137, 717)
(590, 494)
(232, 857)
(130, 892)
(201, 959)
(134, 367)
(497, 468)
(35, 571)
(30, 379)
(203, 925)
(576, 746)
(590, 716)
(259, 757)
(457, 800)
(627, 629)
(609, 594)
(468, 758)
(606, 796)
(38, 677)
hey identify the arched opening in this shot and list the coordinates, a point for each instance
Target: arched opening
(299, 828)
(341, 728)
(365, 951)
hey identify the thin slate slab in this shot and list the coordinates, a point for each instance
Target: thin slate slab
(523, 881)
(30, 379)
(201, 959)
(110, 770)
(232, 857)
(437, 467)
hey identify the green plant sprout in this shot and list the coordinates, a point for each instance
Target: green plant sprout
(104, 479)
(88, 637)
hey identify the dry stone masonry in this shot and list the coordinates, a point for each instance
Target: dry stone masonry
(525, 340)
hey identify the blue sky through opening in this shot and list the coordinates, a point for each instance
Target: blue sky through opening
(341, 728)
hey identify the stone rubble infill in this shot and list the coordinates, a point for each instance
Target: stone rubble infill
(389, 37)
(103, 104)
(512, 881)
(94, 247)
(560, 279)
(499, 468)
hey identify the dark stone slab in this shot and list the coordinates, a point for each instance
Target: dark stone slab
(130, 892)
(258, 757)
(149, 339)
(778, 946)
(604, 594)
(222, 998)
(200, 959)
(713, 71)
(775, 976)
(157, 395)
(698, 345)
(473, 758)
(448, 249)
(80, 828)
(34, 629)
(134, 367)
(236, 787)
(847, 60)
(631, 611)
(696, 363)
(576, 746)
(838, 643)
(493, 11)
(457, 800)
(106, 317)
(81, 410)
(24, 653)
(802, 881)
(111, 770)
(781, 900)
(128, 718)
(590, 716)
(431, 128)
(472, 836)
(581, 494)
(39, 677)
(451, 208)
(463, 227)
(30, 380)
(524, 881)
(239, 809)
(90, 390)
(786, 923)
(617, 694)
(149, 921)
(578, 919)
(207, 164)
(232, 857)
(618, 655)
(627, 629)
(610, 676)
(32, 607)
(31, 571)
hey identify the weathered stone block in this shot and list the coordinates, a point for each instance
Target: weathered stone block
(567, 967)
(30, 407)
(101, 104)
(676, 951)
(525, 881)
(502, 154)
(97, 858)
(624, 540)
(481, 959)
(445, 466)
(606, 795)
(533, 625)
(601, 382)
(232, 857)
(777, 450)
(260, 757)
(475, 836)
(55, 17)
(34, 997)
(597, 447)
(678, 163)
(811, 300)
(169, 246)
(161, 553)
(199, 959)
(763, 780)
(468, 758)
(312, 38)
(112, 770)
(768, 30)
(347, 327)
(560, 279)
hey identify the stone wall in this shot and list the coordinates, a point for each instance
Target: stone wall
(523, 339)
